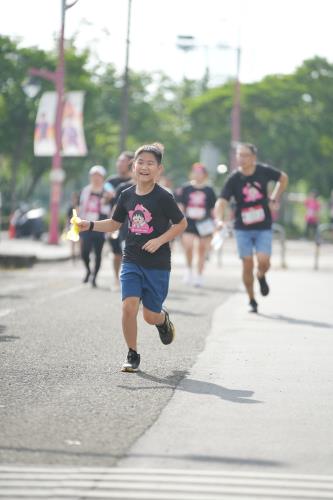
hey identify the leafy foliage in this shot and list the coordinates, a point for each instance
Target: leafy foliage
(289, 117)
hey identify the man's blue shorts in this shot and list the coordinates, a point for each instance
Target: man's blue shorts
(251, 241)
(151, 285)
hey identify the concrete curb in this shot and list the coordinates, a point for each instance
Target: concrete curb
(17, 261)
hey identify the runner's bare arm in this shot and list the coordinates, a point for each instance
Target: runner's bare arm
(220, 209)
(280, 186)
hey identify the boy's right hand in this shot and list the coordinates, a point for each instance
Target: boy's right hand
(83, 225)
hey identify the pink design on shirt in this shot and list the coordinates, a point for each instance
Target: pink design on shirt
(197, 199)
(139, 218)
(251, 192)
(312, 210)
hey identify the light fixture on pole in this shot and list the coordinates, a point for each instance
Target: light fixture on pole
(31, 87)
(186, 43)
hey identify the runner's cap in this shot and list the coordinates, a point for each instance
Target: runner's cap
(97, 169)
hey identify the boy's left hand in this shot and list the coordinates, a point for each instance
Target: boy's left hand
(152, 245)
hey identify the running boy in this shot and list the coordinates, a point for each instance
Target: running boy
(146, 263)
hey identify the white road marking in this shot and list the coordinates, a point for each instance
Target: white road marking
(159, 484)
(5, 312)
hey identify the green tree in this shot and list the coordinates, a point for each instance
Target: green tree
(289, 117)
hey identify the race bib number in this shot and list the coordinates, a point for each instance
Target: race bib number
(93, 216)
(253, 215)
(205, 227)
(196, 213)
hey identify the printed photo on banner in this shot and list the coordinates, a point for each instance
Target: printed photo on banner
(73, 140)
(44, 137)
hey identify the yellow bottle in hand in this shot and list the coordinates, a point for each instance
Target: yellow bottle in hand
(74, 232)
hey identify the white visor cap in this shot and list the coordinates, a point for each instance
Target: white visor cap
(97, 169)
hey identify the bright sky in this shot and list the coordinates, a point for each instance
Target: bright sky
(275, 36)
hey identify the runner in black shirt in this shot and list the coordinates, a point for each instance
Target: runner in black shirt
(197, 200)
(123, 166)
(145, 268)
(124, 228)
(253, 220)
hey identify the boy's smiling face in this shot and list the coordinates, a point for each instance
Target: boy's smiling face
(146, 168)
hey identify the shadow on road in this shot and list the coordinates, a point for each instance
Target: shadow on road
(6, 338)
(184, 313)
(11, 296)
(192, 291)
(296, 321)
(104, 455)
(196, 387)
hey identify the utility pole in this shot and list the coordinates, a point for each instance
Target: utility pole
(125, 94)
(57, 174)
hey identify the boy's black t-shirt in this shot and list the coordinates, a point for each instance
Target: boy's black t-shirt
(121, 187)
(149, 216)
(250, 194)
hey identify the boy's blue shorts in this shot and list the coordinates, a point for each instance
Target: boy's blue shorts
(151, 285)
(253, 240)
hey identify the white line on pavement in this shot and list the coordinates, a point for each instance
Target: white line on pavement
(5, 312)
(159, 484)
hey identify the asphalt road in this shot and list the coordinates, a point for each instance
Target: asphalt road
(63, 397)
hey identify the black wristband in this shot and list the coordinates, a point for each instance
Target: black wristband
(91, 225)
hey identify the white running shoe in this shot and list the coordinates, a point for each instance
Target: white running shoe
(188, 278)
(198, 281)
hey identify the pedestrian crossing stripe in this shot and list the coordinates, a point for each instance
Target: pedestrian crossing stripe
(76, 483)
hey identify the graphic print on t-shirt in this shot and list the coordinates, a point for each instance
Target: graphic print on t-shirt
(139, 219)
(252, 192)
(93, 207)
(196, 208)
(255, 214)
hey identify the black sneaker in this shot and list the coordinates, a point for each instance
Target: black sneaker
(167, 330)
(264, 288)
(132, 362)
(253, 306)
(86, 278)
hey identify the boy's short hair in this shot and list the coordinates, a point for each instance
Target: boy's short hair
(157, 149)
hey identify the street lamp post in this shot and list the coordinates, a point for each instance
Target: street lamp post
(235, 116)
(57, 77)
(187, 43)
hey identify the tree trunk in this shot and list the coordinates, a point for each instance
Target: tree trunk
(34, 181)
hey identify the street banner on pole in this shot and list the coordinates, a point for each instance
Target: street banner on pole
(73, 141)
(44, 137)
